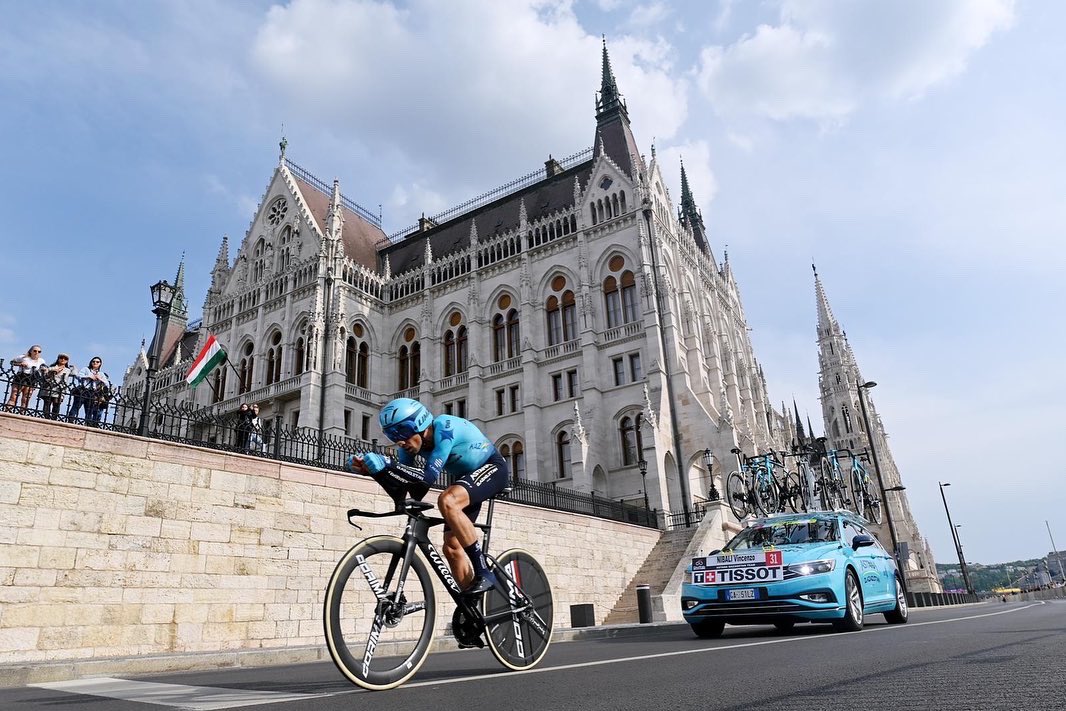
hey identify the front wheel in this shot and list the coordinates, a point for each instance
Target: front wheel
(853, 611)
(873, 510)
(519, 618)
(736, 494)
(859, 497)
(708, 629)
(900, 613)
(378, 637)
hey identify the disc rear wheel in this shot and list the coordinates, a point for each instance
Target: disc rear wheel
(378, 636)
(736, 495)
(519, 619)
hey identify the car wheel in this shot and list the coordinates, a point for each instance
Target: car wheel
(785, 625)
(900, 613)
(853, 615)
(711, 629)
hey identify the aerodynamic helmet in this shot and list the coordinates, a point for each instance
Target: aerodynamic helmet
(404, 417)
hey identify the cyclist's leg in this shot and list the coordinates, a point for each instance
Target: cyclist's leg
(459, 505)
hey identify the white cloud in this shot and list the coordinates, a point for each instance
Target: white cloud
(701, 180)
(648, 14)
(454, 91)
(823, 58)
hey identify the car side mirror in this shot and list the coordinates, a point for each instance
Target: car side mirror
(861, 541)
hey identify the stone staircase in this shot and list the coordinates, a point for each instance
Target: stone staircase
(656, 572)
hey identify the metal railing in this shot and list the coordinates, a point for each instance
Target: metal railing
(108, 408)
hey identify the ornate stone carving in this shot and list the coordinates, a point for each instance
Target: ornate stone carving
(580, 433)
(650, 415)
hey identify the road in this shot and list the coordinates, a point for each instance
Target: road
(987, 656)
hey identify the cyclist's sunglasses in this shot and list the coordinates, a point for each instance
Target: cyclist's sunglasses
(399, 431)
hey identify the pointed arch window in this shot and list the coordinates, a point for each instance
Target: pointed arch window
(513, 334)
(627, 433)
(259, 260)
(555, 321)
(846, 412)
(410, 365)
(273, 370)
(613, 302)
(247, 366)
(362, 365)
(218, 394)
(562, 454)
(351, 348)
(569, 315)
(629, 297)
(499, 338)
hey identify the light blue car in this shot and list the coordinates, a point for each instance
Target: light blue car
(822, 566)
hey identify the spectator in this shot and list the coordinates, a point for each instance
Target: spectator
(54, 381)
(93, 391)
(243, 427)
(255, 439)
(27, 373)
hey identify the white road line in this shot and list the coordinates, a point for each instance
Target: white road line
(193, 698)
(706, 650)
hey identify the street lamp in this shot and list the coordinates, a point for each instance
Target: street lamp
(162, 298)
(643, 464)
(708, 460)
(881, 482)
(955, 538)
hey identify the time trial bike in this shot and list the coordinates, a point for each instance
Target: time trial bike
(380, 608)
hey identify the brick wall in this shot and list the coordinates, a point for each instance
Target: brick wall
(112, 545)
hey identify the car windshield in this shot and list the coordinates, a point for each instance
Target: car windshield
(784, 533)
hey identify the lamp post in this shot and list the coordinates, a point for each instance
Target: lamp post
(708, 461)
(643, 464)
(162, 299)
(880, 481)
(955, 538)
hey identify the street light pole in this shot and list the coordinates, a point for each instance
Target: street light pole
(643, 464)
(881, 481)
(955, 538)
(708, 461)
(162, 299)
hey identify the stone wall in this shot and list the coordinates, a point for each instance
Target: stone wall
(117, 546)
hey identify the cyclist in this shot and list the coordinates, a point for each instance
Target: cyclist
(450, 444)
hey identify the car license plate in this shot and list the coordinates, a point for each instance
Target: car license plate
(742, 594)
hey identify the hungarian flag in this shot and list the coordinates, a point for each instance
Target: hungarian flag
(210, 358)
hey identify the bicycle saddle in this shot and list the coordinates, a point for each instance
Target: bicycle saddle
(503, 493)
(416, 505)
(736, 450)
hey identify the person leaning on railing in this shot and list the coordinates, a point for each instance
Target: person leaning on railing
(26, 376)
(92, 392)
(54, 384)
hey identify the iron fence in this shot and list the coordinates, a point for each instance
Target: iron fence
(68, 399)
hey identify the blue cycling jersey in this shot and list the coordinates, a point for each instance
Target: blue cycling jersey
(459, 447)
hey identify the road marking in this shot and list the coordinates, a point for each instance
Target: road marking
(194, 698)
(705, 650)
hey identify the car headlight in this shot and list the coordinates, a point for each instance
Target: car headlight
(813, 567)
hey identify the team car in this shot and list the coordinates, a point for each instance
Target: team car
(822, 566)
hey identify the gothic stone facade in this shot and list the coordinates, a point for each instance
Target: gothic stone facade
(575, 318)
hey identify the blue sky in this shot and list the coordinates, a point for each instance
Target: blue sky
(913, 150)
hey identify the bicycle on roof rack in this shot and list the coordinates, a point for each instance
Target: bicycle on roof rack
(867, 502)
(761, 486)
(380, 606)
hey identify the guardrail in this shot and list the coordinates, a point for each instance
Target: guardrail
(110, 409)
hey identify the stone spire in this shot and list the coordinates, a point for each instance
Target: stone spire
(827, 324)
(180, 307)
(614, 136)
(800, 434)
(690, 215)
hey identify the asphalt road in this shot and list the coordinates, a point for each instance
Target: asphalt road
(988, 656)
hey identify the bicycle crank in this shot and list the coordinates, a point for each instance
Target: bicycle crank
(467, 631)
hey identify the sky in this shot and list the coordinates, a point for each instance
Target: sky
(913, 151)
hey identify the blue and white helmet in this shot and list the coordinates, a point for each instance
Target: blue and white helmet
(404, 417)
